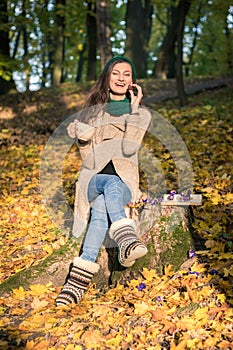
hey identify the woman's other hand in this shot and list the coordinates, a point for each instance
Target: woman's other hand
(72, 129)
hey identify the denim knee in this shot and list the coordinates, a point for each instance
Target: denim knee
(113, 188)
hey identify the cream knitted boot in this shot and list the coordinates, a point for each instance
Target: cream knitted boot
(130, 248)
(78, 280)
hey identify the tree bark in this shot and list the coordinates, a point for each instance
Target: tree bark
(196, 23)
(166, 57)
(25, 49)
(92, 41)
(81, 63)
(59, 44)
(104, 31)
(165, 66)
(46, 43)
(229, 47)
(171, 67)
(138, 31)
(6, 80)
(183, 10)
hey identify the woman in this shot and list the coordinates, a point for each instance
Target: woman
(108, 141)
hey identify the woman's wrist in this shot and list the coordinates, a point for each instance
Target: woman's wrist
(134, 109)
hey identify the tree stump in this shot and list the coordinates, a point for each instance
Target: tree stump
(164, 228)
(166, 231)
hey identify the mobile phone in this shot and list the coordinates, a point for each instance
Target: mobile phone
(135, 90)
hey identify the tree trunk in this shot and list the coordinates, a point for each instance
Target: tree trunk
(138, 31)
(228, 44)
(165, 232)
(183, 10)
(171, 67)
(196, 23)
(167, 57)
(6, 81)
(167, 50)
(92, 41)
(25, 49)
(59, 44)
(80, 63)
(103, 31)
(46, 43)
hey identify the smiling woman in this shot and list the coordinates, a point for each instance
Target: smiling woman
(109, 140)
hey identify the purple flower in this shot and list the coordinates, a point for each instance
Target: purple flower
(191, 254)
(141, 287)
(213, 272)
(159, 299)
(173, 192)
(185, 197)
(170, 197)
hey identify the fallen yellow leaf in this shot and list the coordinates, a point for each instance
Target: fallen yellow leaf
(38, 304)
(114, 341)
(149, 275)
(30, 345)
(186, 323)
(42, 345)
(140, 308)
(38, 289)
(77, 335)
(19, 293)
(225, 345)
(92, 339)
(201, 313)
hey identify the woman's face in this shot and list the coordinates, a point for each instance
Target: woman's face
(120, 79)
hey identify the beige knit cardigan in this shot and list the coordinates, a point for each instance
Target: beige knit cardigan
(117, 139)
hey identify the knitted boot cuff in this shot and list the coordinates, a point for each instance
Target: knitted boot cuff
(121, 223)
(90, 266)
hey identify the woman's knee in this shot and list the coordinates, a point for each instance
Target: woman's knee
(118, 189)
(114, 185)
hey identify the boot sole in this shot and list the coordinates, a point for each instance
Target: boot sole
(136, 254)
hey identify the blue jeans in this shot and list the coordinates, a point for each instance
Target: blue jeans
(108, 194)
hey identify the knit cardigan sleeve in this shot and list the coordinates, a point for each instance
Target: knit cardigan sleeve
(136, 126)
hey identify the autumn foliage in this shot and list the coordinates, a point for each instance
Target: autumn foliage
(185, 309)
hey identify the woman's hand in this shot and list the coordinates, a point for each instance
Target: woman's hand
(81, 131)
(72, 129)
(135, 99)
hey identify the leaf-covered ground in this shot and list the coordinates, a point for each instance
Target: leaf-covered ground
(185, 310)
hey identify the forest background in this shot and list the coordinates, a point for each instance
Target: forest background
(50, 54)
(44, 43)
